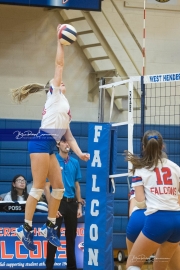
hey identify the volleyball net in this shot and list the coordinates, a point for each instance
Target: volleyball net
(160, 110)
(153, 104)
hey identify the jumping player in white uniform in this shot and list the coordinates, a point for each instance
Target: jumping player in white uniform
(55, 124)
(156, 180)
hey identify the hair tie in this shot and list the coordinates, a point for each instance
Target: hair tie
(153, 137)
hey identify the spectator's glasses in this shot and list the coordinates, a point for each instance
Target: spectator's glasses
(22, 181)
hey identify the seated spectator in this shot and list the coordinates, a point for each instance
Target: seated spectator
(2, 196)
(18, 190)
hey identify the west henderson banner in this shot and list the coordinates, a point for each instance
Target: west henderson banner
(13, 255)
(160, 78)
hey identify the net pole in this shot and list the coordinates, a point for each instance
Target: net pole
(144, 39)
(142, 77)
(101, 101)
(130, 121)
(142, 110)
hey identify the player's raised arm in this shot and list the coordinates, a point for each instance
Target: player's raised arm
(59, 61)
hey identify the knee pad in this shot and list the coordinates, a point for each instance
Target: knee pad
(36, 193)
(133, 268)
(57, 193)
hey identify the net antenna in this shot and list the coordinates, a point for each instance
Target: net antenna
(144, 40)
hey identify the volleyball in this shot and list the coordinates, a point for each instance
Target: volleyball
(67, 34)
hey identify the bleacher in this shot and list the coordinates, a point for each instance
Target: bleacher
(14, 159)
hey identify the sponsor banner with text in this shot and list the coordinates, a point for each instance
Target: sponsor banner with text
(15, 256)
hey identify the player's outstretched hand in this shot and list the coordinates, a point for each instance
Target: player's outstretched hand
(85, 156)
(58, 28)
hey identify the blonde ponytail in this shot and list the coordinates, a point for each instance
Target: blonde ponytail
(19, 94)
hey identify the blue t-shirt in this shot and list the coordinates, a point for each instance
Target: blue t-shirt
(71, 173)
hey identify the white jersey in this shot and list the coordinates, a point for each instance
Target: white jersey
(56, 113)
(9, 198)
(161, 185)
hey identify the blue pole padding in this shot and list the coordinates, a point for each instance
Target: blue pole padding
(98, 237)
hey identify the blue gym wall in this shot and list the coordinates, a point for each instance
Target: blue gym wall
(14, 159)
